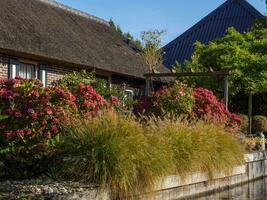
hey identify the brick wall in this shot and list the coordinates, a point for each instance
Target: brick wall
(54, 73)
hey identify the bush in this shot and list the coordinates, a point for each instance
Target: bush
(172, 100)
(209, 108)
(199, 146)
(259, 124)
(179, 99)
(244, 125)
(31, 118)
(31, 121)
(113, 151)
(72, 80)
(88, 101)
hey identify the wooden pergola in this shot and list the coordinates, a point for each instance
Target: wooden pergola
(222, 73)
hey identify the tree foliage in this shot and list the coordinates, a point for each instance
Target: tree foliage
(244, 54)
(152, 41)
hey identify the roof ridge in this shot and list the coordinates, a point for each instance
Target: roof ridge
(74, 11)
(250, 8)
(243, 3)
(210, 15)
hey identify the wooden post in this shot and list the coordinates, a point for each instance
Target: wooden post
(250, 112)
(109, 80)
(226, 91)
(147, 92)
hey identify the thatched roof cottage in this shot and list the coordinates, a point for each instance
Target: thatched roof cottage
(44, 39)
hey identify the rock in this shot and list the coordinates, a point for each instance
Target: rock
(47, 189)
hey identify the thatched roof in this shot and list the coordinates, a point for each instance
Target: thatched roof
(51, 30)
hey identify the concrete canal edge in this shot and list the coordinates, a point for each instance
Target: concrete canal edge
(199, 184)
(169, 188)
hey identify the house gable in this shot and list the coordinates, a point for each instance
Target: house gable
(233, 13)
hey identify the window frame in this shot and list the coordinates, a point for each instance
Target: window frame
(29, 62)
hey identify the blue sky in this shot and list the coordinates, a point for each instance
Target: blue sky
(135, 16)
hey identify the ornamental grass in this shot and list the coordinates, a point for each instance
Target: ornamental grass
(119, 153)
(112, 151)
(199, 146)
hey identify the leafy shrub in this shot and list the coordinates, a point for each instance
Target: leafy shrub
(259, 124)
(199, 146)
(172, 100)
(72, 80)
(31, 120)
(114, 152)
(31, 117)
(244, 125)
(175, 99)
(209, 108)
(179, 99)
(88, 100)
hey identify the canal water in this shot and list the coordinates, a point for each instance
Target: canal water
(256, 190)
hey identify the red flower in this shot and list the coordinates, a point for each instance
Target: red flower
(48, 111)
(54, 129)
(17, 114)
(208, 107)
(56, 120)
(20, 133)
(44, 123)
(9, 111)
(34, 93)
(9, 134)
(114, 100)
(27, 131)
(32, 113)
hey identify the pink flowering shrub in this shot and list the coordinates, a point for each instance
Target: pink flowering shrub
(33, 114)
(88, 101)
(32, 118)
(209, 108)
(176, 99)
(199, 103)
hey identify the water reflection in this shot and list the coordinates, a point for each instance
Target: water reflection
(256, 190)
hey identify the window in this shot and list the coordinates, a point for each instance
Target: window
(27, 71)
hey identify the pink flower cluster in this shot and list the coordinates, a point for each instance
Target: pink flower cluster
(209, 108)
(30, 110)
(88, 100)
(175, 99)
(114, 100)
(199, 103)
(143, 105)
(33, 115)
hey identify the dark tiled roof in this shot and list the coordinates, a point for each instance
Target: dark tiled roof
(51, 30)
(233, 13)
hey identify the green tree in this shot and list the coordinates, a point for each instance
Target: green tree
(245, 55)
(152, 41)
